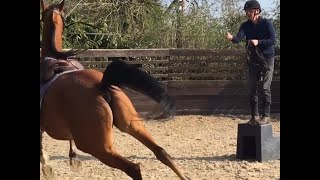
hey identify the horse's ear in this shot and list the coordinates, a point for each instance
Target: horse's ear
(61, 5)
(44, 5)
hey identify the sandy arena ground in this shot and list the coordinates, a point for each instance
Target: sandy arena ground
(204, 147)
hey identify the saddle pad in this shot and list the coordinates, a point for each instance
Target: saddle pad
(45, 86)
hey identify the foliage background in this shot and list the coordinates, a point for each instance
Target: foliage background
(117, 24)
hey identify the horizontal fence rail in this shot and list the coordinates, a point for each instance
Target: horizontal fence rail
(201, 80)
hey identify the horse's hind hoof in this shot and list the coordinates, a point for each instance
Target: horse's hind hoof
(48, 172)
(75, 165)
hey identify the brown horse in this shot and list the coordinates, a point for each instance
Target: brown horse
(83, 105)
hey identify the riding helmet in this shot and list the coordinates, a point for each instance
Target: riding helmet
(252, 4)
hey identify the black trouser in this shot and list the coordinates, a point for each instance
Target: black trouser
(260, 78)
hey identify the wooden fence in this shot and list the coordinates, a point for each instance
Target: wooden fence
(202, 80)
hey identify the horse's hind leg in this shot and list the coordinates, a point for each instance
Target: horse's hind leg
(135, 128)
(97, 140)
(127, 120)
(75, 164)
(111, 158)
(46, 169)
(102, 149)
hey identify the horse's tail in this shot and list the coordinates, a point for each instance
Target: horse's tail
(122, 74)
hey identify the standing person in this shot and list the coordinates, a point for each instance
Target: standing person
(260, 41)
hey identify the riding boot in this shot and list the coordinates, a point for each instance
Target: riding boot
(254, 112)
(266, 109)
(266, 114)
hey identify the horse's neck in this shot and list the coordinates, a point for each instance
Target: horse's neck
(58, 39)
(50, 44)
(47, 53)
(44, 53)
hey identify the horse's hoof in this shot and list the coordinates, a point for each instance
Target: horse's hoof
(75, 165)
(48, 172)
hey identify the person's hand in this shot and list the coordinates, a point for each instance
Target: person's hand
(229, 36)
(254, 42)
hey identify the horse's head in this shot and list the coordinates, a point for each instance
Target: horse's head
(52, 15)
(53, 25)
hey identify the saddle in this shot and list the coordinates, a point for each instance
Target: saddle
(49, 67)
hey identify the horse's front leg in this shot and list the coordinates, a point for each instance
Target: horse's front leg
(46, 169)
(75, 164)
